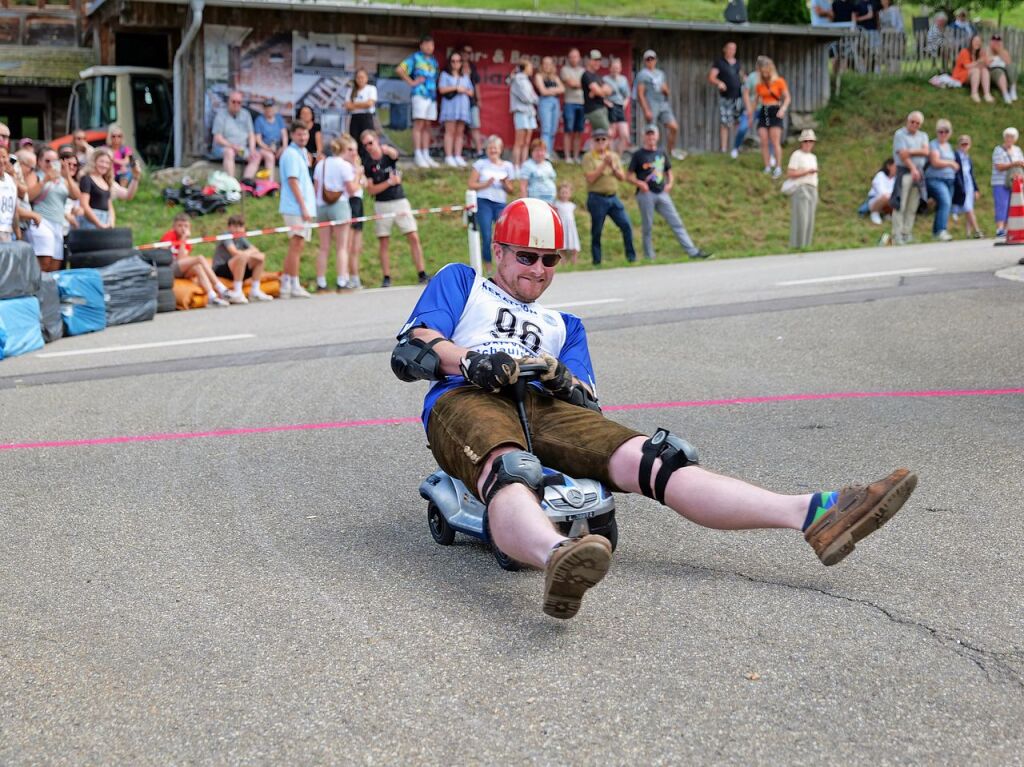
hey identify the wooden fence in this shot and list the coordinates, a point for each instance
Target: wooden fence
(889, 52)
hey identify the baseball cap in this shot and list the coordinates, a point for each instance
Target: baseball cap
(595, 53)
(649, 54)
(269, 102)
(599, 133)
(651, 129)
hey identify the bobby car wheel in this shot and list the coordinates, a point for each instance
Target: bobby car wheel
(505, 562)
(440, 530)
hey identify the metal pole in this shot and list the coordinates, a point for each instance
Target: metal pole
(474, 233)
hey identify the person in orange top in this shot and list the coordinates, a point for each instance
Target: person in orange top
(192, 267)
(972, 65)
(774, 99)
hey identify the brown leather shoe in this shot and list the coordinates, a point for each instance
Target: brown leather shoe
(573, 567)
(858, 512)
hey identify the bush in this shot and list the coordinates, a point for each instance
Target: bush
(779, 12)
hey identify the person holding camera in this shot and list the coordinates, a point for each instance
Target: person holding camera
(48, 189)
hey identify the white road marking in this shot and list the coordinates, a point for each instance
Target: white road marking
(154, 345)
(844, 277)
(586, 303)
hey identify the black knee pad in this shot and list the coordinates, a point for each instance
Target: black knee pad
(674, 452)
(517, 467)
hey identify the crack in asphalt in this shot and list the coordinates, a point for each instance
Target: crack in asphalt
(992, 663)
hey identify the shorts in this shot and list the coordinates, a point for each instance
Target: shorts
(406, 224)
(355, 205)
(179, 273)
(306, 232)
(338, 210)
(217, 153)
(47, 239)
(223, 270)
(616, 113)
(768, 117)
(468, 423)
(729, 110)
(661, 113)
(474, 118)
(524, 121)
(598, 119)
(424, 108)
(572, 114)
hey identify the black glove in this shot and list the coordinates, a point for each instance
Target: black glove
(556, 378)
(490, 371)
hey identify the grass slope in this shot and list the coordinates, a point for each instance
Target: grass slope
(729, 206)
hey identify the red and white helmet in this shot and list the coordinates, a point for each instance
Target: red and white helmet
(530, 223)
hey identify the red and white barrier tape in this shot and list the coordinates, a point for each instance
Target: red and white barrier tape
(311, 225)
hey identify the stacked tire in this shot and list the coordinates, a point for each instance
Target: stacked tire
(96, 248)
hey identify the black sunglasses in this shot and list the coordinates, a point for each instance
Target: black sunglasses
(526, 258)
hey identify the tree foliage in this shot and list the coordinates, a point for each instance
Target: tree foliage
(786, 11)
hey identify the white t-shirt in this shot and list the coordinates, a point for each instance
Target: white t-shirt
(495, 173)
(366, 93)
(881, 184)
(8, 202)
(801, 160)
(332, 173)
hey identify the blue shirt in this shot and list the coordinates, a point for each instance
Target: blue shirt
(420, 64)
(294, 165)
(477, 314)
(270, 132)
(946, 153)
(540, 179)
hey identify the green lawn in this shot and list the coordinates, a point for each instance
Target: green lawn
(729, 206)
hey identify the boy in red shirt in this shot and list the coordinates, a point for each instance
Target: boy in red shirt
(193, 267)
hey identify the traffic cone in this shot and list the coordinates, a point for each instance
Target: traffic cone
(1015, 219)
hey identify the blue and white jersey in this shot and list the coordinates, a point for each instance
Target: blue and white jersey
(478, 315)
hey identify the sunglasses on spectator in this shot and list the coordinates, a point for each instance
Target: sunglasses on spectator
(369, 142)
(942, 130)
(526, 258)
(600, 138)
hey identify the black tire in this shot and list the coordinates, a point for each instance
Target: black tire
(440, 530)
(158, 256)
(505, 562)
(609, 531)
(99, 258)
(164, 277)
(165, 301)
(89, 240)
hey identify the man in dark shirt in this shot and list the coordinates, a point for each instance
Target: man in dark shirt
(650, 171)
(385, 184)
(727, 75)
(594, 92)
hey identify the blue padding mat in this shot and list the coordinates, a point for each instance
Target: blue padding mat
(20, 320)
(81, 300)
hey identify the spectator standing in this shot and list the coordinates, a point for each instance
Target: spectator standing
(297, 207)
(595, 91)
(773, 97)
(802, 171)
(493, 180)
(238, 260)
(523, 105)
(95, 189)
(1007, 163)
(355, 231)
(890, 17)
(549, 87)
(361, 105)
(9, 218)
(83, 149)
(315, 143)
(652, 94)
(567, 215)
(455, 88)
(271, 134)
(334, 180)
(537, 175)
(571, 75)
(880, 194)
(234, 137)
(618, 104)
(939, 177)
(420, 71)
(939, 38)
(821, 13)
(1001, 70)
(910, 151)
(49, 187)
(727, 76)
(972, 67)
(603, 171)
(189, 267)
(650, 171)
(965, 188)
(123, 156)
(469, 68)
(385, 184)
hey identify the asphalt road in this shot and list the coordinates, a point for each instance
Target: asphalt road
(221, 593)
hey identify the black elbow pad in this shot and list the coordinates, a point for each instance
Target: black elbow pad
(414, 360)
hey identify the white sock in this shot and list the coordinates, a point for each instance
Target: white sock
(321, 282)
(237, 287)
(286, 282)
(212, 294)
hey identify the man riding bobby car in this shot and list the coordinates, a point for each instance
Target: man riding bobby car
(469, 336)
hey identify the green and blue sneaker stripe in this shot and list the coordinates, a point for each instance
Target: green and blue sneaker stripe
(820, 505)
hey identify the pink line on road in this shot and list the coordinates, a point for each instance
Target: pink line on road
(128, 439)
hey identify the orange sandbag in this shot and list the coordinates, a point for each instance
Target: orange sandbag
(270, 284)
(188, 295)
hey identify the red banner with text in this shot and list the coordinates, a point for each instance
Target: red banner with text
(496, 56)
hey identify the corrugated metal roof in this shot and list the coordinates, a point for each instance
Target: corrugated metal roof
(41, 65)
(526, 17)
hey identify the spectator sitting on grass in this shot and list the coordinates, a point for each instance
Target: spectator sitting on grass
(881, 191)
(939, 37)
(237, 260)
(972, 66)
(189, 267)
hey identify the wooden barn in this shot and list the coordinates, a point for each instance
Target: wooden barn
(300, 50)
